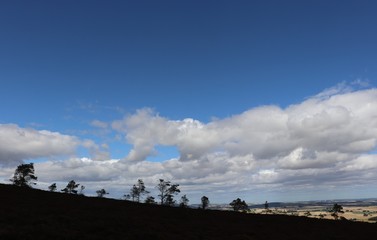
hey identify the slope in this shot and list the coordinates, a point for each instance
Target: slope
(35, 214)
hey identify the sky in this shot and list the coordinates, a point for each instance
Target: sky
(262, 100)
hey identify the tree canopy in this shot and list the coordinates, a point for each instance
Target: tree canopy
(150, 200)
(101, 193)
(24, 175)
(205, 202)
(52, 187)
(71, 187)
(239, 205)
(167, 192)
(184, 201)
(335, 210)
(138, 190)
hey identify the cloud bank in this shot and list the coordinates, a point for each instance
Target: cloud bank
(18, 144)
(326, 141)
(341, 123)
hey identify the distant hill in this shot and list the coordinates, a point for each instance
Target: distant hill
(35, 214)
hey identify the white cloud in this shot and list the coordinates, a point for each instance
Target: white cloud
(18, 144)
(322, 142)
(302, 144)
(98, 152)
(343, 122)
(80, 169)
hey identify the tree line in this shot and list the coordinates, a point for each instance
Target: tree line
(24, 176)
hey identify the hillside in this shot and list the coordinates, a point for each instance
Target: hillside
(34, 214)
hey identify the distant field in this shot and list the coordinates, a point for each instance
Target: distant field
(354, 213)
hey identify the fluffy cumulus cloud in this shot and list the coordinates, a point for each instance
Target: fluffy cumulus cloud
(325, 141)
(294, 137)
(18, 144)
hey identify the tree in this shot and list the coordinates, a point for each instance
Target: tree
(336, 209)
(184, 201)
(205, 202)
(239, 205)
(167, 192)
(101, 193)
(138, 190)
(127, 196)
(52, 187)
(170, 200)
(150, 200)
(71, 187)
(82, 188)
(24, 175)
(266, 208)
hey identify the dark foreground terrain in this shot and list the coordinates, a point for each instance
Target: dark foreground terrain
(34, 214)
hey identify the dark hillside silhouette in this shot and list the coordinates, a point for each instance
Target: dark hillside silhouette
(34, 214)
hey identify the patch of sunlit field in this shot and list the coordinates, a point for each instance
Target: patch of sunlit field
(354, 213)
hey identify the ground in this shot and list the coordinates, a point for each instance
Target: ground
(35, 214)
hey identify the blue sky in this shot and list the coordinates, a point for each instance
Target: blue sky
(79, 68)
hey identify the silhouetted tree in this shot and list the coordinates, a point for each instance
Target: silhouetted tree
(167, 192)
(138, 190)
(71, 187)
(266, 208)
(82, 188)
(133, 193)
(184, 201)
(24, 175)
(101, 193)
(205, 202)
(170, 200)
(150, 200)
(335, 210)
(239, 205)
(52, 187)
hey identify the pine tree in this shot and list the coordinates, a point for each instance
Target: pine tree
(167, 192)
(205, 202)
(24, 175)
(71, 187)
(52, 187)
(101, 193)
(184, 201)
(138, 190)
(239, 205)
